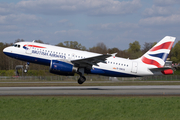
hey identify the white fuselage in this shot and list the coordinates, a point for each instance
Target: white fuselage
(43, 54)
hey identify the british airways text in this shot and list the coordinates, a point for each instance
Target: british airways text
(48, 54)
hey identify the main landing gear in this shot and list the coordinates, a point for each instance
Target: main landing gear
(82, 79)
(26, 67)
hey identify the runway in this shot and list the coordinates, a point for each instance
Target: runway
(92, 90)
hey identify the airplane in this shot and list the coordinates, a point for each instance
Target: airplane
(66, 61)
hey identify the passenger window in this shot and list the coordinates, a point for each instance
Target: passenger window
(18, 46)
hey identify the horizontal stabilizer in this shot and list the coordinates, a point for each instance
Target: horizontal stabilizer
(164, 70)
(159, 69)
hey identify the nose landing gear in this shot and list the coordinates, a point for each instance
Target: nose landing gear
(26, 67)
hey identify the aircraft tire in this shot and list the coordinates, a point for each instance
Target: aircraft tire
(25, 70)
(81, 80)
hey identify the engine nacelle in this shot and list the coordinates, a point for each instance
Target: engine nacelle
(168, 72)
(62, 68)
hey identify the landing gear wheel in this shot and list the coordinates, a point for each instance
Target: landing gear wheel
(81, 80)
(25, 70)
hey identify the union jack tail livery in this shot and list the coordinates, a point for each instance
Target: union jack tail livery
(156, 56)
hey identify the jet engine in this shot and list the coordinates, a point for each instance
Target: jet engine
(62, 68)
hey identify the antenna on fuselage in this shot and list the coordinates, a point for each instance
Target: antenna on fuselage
(33, 41)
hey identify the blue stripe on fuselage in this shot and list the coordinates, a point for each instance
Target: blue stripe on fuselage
(29, 58)
(110, 73)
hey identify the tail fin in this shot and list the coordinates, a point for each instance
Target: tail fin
(157, 55)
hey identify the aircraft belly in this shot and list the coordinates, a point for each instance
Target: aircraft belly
(112, 73)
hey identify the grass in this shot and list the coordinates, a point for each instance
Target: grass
(89, 108)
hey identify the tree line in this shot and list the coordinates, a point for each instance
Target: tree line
(134, 51)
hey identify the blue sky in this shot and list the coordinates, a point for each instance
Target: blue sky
(116, 23)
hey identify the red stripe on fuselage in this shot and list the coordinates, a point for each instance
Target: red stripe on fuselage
(166, 45)
(151, 62)
(35, 46)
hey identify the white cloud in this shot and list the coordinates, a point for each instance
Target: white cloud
(63, 21)
(38, 32)
(9, 32)
(17, 18)
(6, 8)
(72, 32)
(158, 10)
(111, 7)
(114, 26)
(166, 2)
(92, 7)
(160, 20)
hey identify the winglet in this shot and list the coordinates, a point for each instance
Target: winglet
(113, 55)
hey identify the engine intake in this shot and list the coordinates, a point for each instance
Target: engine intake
(62, 67)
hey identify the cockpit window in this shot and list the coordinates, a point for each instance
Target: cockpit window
(16, 45)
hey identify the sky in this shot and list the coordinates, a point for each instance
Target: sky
(116, 23)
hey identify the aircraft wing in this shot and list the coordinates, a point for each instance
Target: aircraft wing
(89, 62)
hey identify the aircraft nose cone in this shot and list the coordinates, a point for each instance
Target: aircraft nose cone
(4, 50)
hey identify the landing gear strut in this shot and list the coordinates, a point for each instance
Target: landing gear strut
(82, 79)
(26, 67)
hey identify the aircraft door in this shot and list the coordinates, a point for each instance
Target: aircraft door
(28, 49)
(134, 67)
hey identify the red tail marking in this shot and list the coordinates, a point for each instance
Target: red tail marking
(166, 45)
(151, 62)
(35, 46)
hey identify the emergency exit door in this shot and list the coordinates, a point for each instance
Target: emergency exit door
(134, 67)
